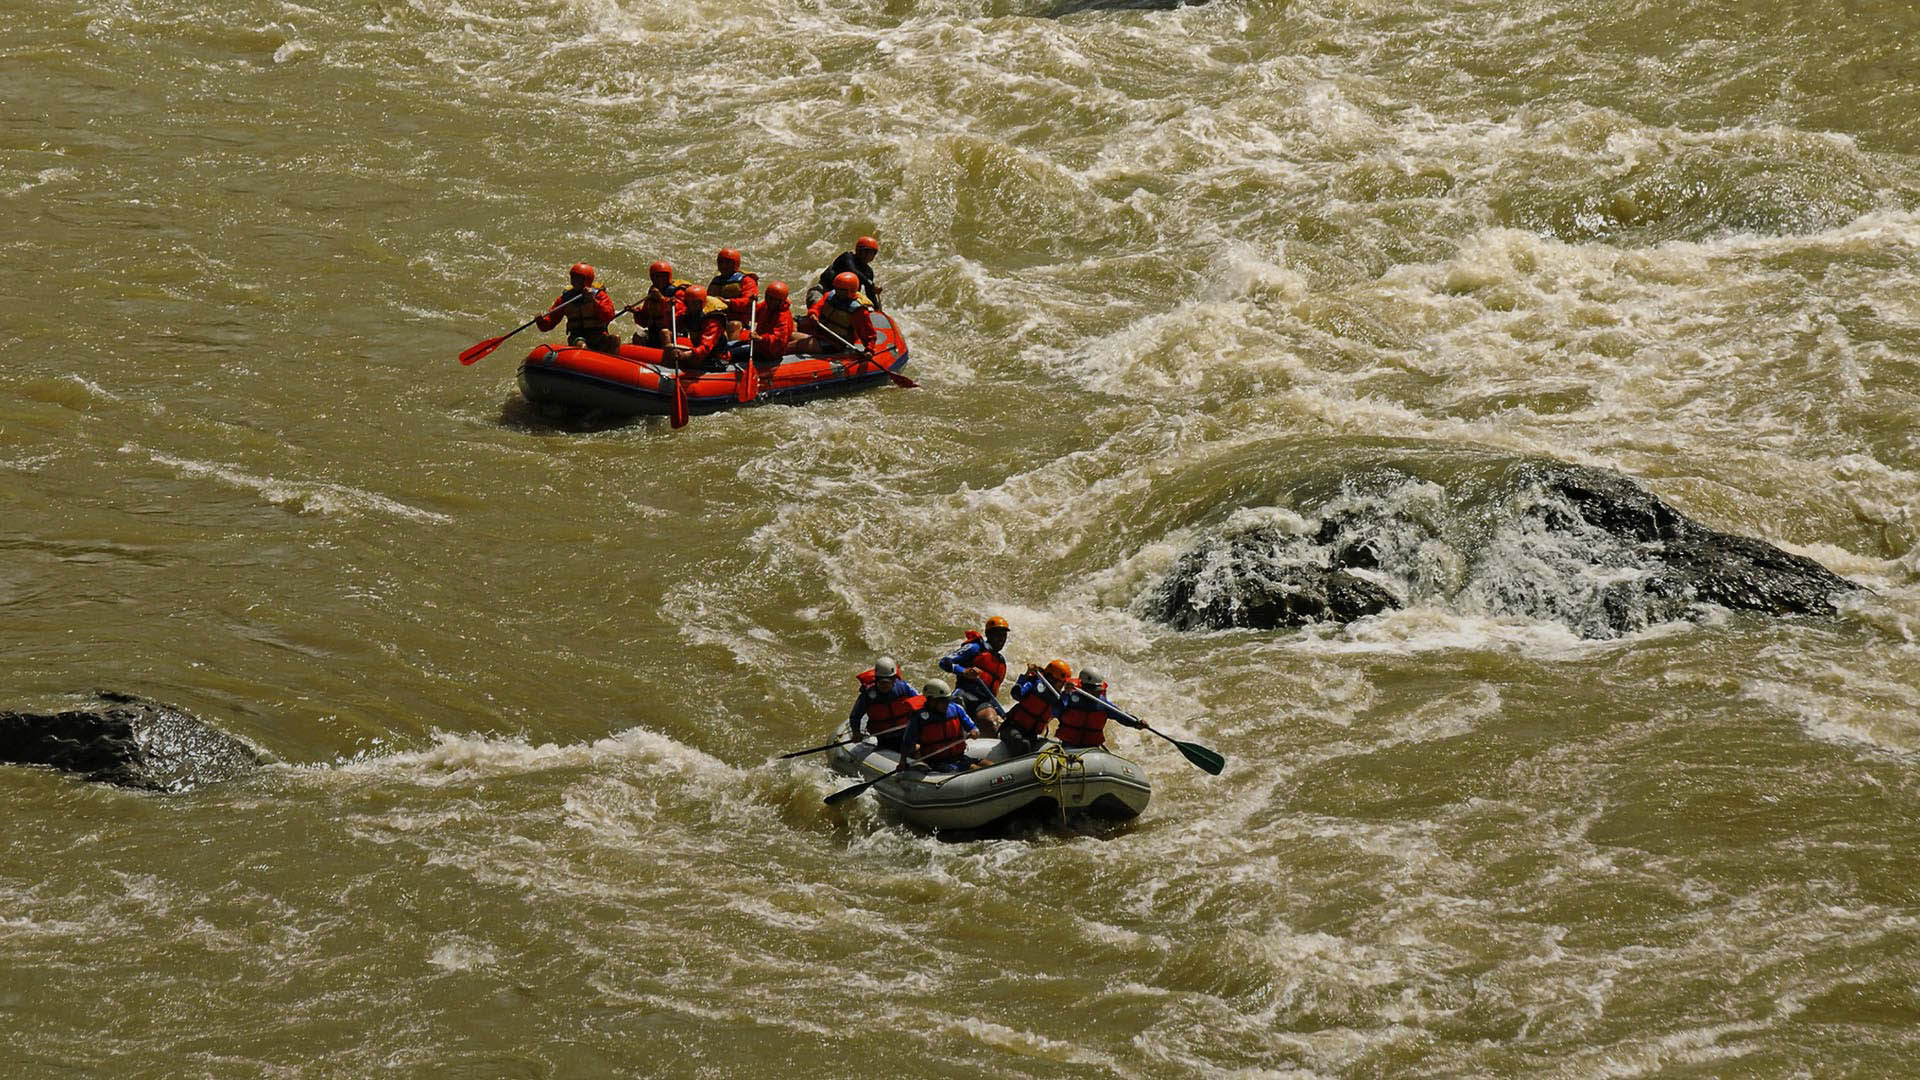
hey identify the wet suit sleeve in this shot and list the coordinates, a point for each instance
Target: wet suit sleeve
(548, 322)
(960, 659)
(1113, 711)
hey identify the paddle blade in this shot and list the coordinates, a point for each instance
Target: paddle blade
(743, 387)
(475, 352)
(1201, 756)
(679, 415)
(844, 794)
(895, 377)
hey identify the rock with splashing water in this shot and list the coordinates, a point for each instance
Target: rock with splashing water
(1534, 539)
(127, 741)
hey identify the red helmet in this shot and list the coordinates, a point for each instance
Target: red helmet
(867, 243)
(846, 279)
(695, 297)
(581, 273)
(777, 291)
(661, 267)
(729, 257)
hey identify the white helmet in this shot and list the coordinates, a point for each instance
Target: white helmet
(936, 688)
(1091, 679)
(885, 667)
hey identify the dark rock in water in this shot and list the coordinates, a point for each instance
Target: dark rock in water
(129, 741)
(1270, 578)
(1532, 539)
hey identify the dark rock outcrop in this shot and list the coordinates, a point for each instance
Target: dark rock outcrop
(1531, 539)
(129, 741)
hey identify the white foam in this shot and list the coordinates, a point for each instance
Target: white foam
(307, 497)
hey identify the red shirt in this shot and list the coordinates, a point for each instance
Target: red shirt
(837, 319)
(596, 313)
(773, 329)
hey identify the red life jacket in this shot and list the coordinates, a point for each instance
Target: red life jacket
(944, 737)
(890, 717)
(988, 661)
(1030, 714)
(1081, 725)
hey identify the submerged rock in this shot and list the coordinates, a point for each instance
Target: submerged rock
(129, 741)
(1534, 539)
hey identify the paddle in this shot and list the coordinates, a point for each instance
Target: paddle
(480, 349)
(899, 380)
(985, 692)
(817, 749)
(1201, 757)
(678, 417)
(743, 390)
(855, 791)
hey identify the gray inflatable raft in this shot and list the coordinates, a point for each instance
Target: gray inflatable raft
(1053, 782)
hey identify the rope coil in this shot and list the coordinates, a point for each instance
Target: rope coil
(1053, 767)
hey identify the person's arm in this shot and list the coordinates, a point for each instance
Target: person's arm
(859, 710)
(603, 304)
(1113, 711)
(548, 322)
(863, 329)
(960, 659)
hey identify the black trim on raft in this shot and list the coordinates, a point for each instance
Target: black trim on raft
(545, 385)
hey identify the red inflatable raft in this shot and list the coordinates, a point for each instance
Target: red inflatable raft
(636, 384)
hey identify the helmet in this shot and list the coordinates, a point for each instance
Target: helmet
(866, 243)
(695, 296)
(729, 257)
(1092, 680)
(581, 273)
(885, 667)
(661, 267)
(777, 291)
(1058, 671)
(846, 279)
(936, 689)
(996, 623)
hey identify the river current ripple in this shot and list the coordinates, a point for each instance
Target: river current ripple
(1161, 271)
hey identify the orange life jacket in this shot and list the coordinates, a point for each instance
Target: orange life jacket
(661, 314)
(839, 317)
(731, 286)
(1080, 724)
(589, 319)
(943, 737)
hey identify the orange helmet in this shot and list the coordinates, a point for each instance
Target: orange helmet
(777, 291)
(846, 279)
(581, 273)
(867, 243)
(1059, 671)
(729, 257)
(661, 267)
(695, 297)
(996, 623)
